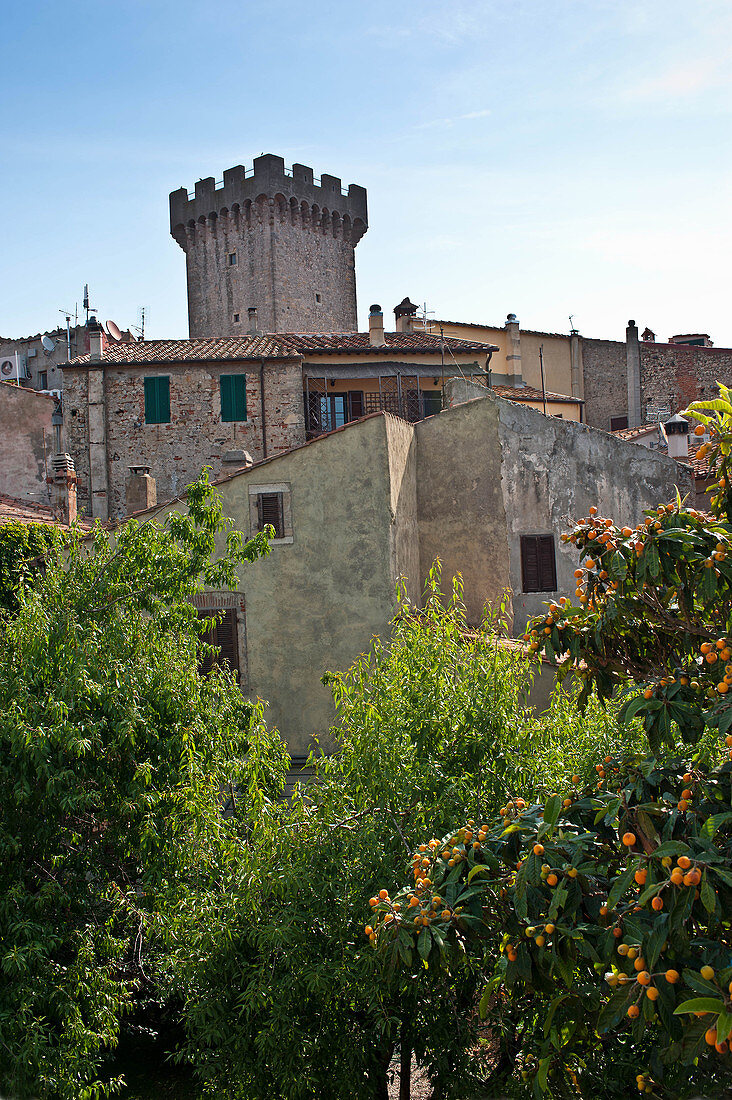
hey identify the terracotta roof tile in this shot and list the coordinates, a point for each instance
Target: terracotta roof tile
(188, 351)
(13, 510)
(635, 433)
(405, 343)
(281, 345)
(529, 393)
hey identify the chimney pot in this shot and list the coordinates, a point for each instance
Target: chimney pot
(253, 329)
(64, 489)
(376, 327)
(140, 490)
(96, 340)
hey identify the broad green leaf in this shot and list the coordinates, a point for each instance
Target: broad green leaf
(699, 1004)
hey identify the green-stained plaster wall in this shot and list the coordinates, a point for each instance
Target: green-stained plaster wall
(462, 519)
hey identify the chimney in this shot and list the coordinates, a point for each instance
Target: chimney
(514, 367)
(96, 340)
(632, 359)
(64, 489)
(140, 491)
(677, 433)
(404, 315)
(253, 329)
(376, 327)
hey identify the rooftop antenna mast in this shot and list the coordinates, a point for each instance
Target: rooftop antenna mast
(89, 309)
(572, 330)
(141, 327)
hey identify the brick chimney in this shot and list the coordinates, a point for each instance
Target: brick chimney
(96, 340)
(140, 490)
(404, 315)
(376, 327)
(63, 489)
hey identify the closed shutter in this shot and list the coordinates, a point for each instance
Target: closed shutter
(355, 404)
(157, 400)
(269, 510)
(233, 397)
(225, 636)
(538, 564)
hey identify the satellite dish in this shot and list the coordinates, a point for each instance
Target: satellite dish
(113, 330)
(48, 343)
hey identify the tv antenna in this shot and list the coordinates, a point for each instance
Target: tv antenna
(67, 315)
(425, 314)
(572, 330)
(141, 327)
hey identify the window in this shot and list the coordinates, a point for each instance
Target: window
(43, 379)
(271, 504)
(269, 510)
(538, 565)
(317, 297)
(233, 397)
(617, 423)
(232, 259)
(432, 402)
(224, 635)
(236, 318)
(157, 400)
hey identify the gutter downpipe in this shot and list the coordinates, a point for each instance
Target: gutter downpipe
(261, 408)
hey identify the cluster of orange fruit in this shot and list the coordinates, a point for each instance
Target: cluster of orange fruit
(644, 1082)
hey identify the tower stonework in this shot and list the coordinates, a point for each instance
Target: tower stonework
(274, 240)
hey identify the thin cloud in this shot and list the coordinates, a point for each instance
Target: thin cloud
(682, 80)
(469, 116)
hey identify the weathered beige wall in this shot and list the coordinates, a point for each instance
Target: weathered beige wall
(402, 453)
(27, 442)
(314, 604)
(557, 361)
(460, 504)
(553, 471)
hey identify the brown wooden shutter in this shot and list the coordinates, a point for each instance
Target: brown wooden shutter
(538, 564)
(225, 636)
(269, 508)
(355, 404)
(529, 564)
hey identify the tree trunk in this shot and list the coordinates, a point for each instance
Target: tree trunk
(405, 1064)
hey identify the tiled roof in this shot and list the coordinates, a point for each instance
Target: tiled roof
(529, 393)
(281, 345)
(635, 433)
(13, 510)
(188, 351)
(357, 343)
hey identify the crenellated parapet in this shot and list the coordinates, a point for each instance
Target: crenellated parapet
(269, 194)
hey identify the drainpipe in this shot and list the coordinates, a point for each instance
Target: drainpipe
(488, 369)
(261, 408)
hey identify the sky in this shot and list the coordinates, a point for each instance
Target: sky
(543, 157)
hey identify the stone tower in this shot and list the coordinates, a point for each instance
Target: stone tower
(272, 240)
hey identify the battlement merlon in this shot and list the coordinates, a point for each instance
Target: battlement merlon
(268, 178)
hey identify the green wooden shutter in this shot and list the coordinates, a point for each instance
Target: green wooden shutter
(233, 397)
(157, 400)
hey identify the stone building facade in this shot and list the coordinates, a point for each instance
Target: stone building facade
(28, 442)
(109, 429)
(380, 499)
(278, 241)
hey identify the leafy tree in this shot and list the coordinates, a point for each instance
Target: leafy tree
(114, 756)
(601, 914)
(284, 997)
(22, 545)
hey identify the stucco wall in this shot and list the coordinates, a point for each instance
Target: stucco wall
(195, 437)
(314, 604)
(552, 472)
(24, 418)
(557, 361)
(460, 504)
(402, 453)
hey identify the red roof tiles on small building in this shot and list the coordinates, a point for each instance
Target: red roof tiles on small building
(529, 393)
(13, 510)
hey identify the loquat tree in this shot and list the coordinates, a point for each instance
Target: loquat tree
(601, 915)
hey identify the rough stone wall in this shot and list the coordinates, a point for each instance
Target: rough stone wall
(672, 375)
(195, 437)
(279, 269)
(294, 239)
(27, 438)
(605, 381)
(553, 471)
